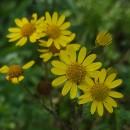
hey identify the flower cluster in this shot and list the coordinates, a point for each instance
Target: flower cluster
(79, 74)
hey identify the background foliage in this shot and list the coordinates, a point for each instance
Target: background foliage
(18, 111)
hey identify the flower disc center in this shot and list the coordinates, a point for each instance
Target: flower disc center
(28, 29)
(15, 71)
(54, 50)
(53, 31)
(99, 92)
(76, 72)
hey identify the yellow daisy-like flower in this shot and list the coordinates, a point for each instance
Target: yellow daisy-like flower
(100, 92)
(26, 29)
(15, 72)
(75, 71)
(52, 51)
(56, 30)
(104, 38)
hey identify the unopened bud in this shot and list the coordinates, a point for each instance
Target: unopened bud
(103, 38)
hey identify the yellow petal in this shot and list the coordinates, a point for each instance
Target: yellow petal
(14, 80)
(82, 54)
(93, 66)
(65, 26)
(20, 78)
(28, 65)
(61, 42)
(59, 64)
(13, 35)
(85, 100)
(91, 73)
(100, 108)
(108, 107)
(40, 20)
(65, 57)
(65, 38)
(25, 20)
(58, 81)
(54, 17)
(83, 86)
(14, 29)
(110, 78)
(56, 44)
(61, 20)
(72, 54)
(96, 76)
(65, 32)
(7, 77)
(66, 88)
(115, 94)
(72, 36)
(33, 37)
(56, 54)
(75, 46)
(22, 41)
(40, 35)
(4, 69)
(86, 95)
(111, 101)
(48, 17)
(73, 91)
(49, 42)
(14, 39)
(89, 81)
(102, 75)
(58, 71)
(93, 107)
(34, 16)
(115, 83)
(89, 59)
(18, 22)
(43, 43)
(47, 56)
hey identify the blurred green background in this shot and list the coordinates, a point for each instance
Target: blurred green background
(18, 111)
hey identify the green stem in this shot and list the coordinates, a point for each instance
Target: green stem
(40, 101)
(93, 49)
(43, 106)
(46, 70)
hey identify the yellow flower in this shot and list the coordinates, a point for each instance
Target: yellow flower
(56, 30)
(15, 72)
(104, 38)
(26, 29)
(52, 51)
(73, 70)
(100, 92)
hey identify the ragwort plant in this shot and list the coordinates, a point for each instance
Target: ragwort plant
(74, 70)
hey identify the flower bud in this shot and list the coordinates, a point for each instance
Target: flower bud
(103, 38)
(44, 89)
